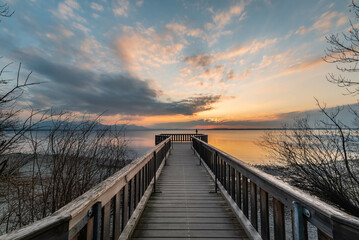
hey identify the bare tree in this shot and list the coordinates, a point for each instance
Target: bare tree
(343, 50)
(11, 127)
(64, 162)
(322, 159)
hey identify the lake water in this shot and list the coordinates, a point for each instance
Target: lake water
(242, 144)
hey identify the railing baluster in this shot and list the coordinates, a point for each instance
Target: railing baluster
(137, 194)
(97, 221)
(89, 229)
(245, 195)
(132, 196)
(106, 226)
(221, 170)
(254, 215)
(233, 181)
(279, 221)
(238, 189)
(264, 214)
(225, 175)
(125, 206)
(215, 158)
(145, 173)
(228, 170)
(117, 216)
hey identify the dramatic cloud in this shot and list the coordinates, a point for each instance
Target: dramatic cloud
(140, 48)
(77, 89)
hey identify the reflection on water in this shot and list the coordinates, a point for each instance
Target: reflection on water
(238, 143)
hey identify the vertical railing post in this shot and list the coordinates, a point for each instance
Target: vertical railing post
(201, 153)
(215, 173)
(97, 221)
(299, 222)
(154, 172)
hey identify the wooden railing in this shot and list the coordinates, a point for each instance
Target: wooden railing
(180, 137)
(242, 185)
(108, 210)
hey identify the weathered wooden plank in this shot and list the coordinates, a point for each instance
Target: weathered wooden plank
(137, 189)
(254, 216)
(233, 183)
(245, 195)
(188, 220)
(106, 227)
(189, 233)
(89, 228)
(279, 220)
(117, 216)
(238, 190)
(132, 197)
(264, 215)
(185, 209)
(197, 226)
(125, 207)
(190, 238)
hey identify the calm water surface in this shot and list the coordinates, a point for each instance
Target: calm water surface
(241, 144)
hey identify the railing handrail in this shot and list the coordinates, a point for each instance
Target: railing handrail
(77, 209)
(288, 194)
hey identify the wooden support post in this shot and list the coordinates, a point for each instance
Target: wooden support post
(89, 229)
(264, 215)
(125, 206)
(137, 189)
(117, 216)
(233, 182)
(279, 221)
(215, 173)
(97, 208)
(254, 215)
(238, 189)
(132, 196)
(245, 195)
(106, 225)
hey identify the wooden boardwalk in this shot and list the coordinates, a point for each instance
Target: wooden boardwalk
(185, 208)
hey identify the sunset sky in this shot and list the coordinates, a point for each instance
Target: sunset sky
(176, 64)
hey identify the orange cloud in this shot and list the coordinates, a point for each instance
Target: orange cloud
(140, 48)
(310, 63)
(224, 17)
(325, 22)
